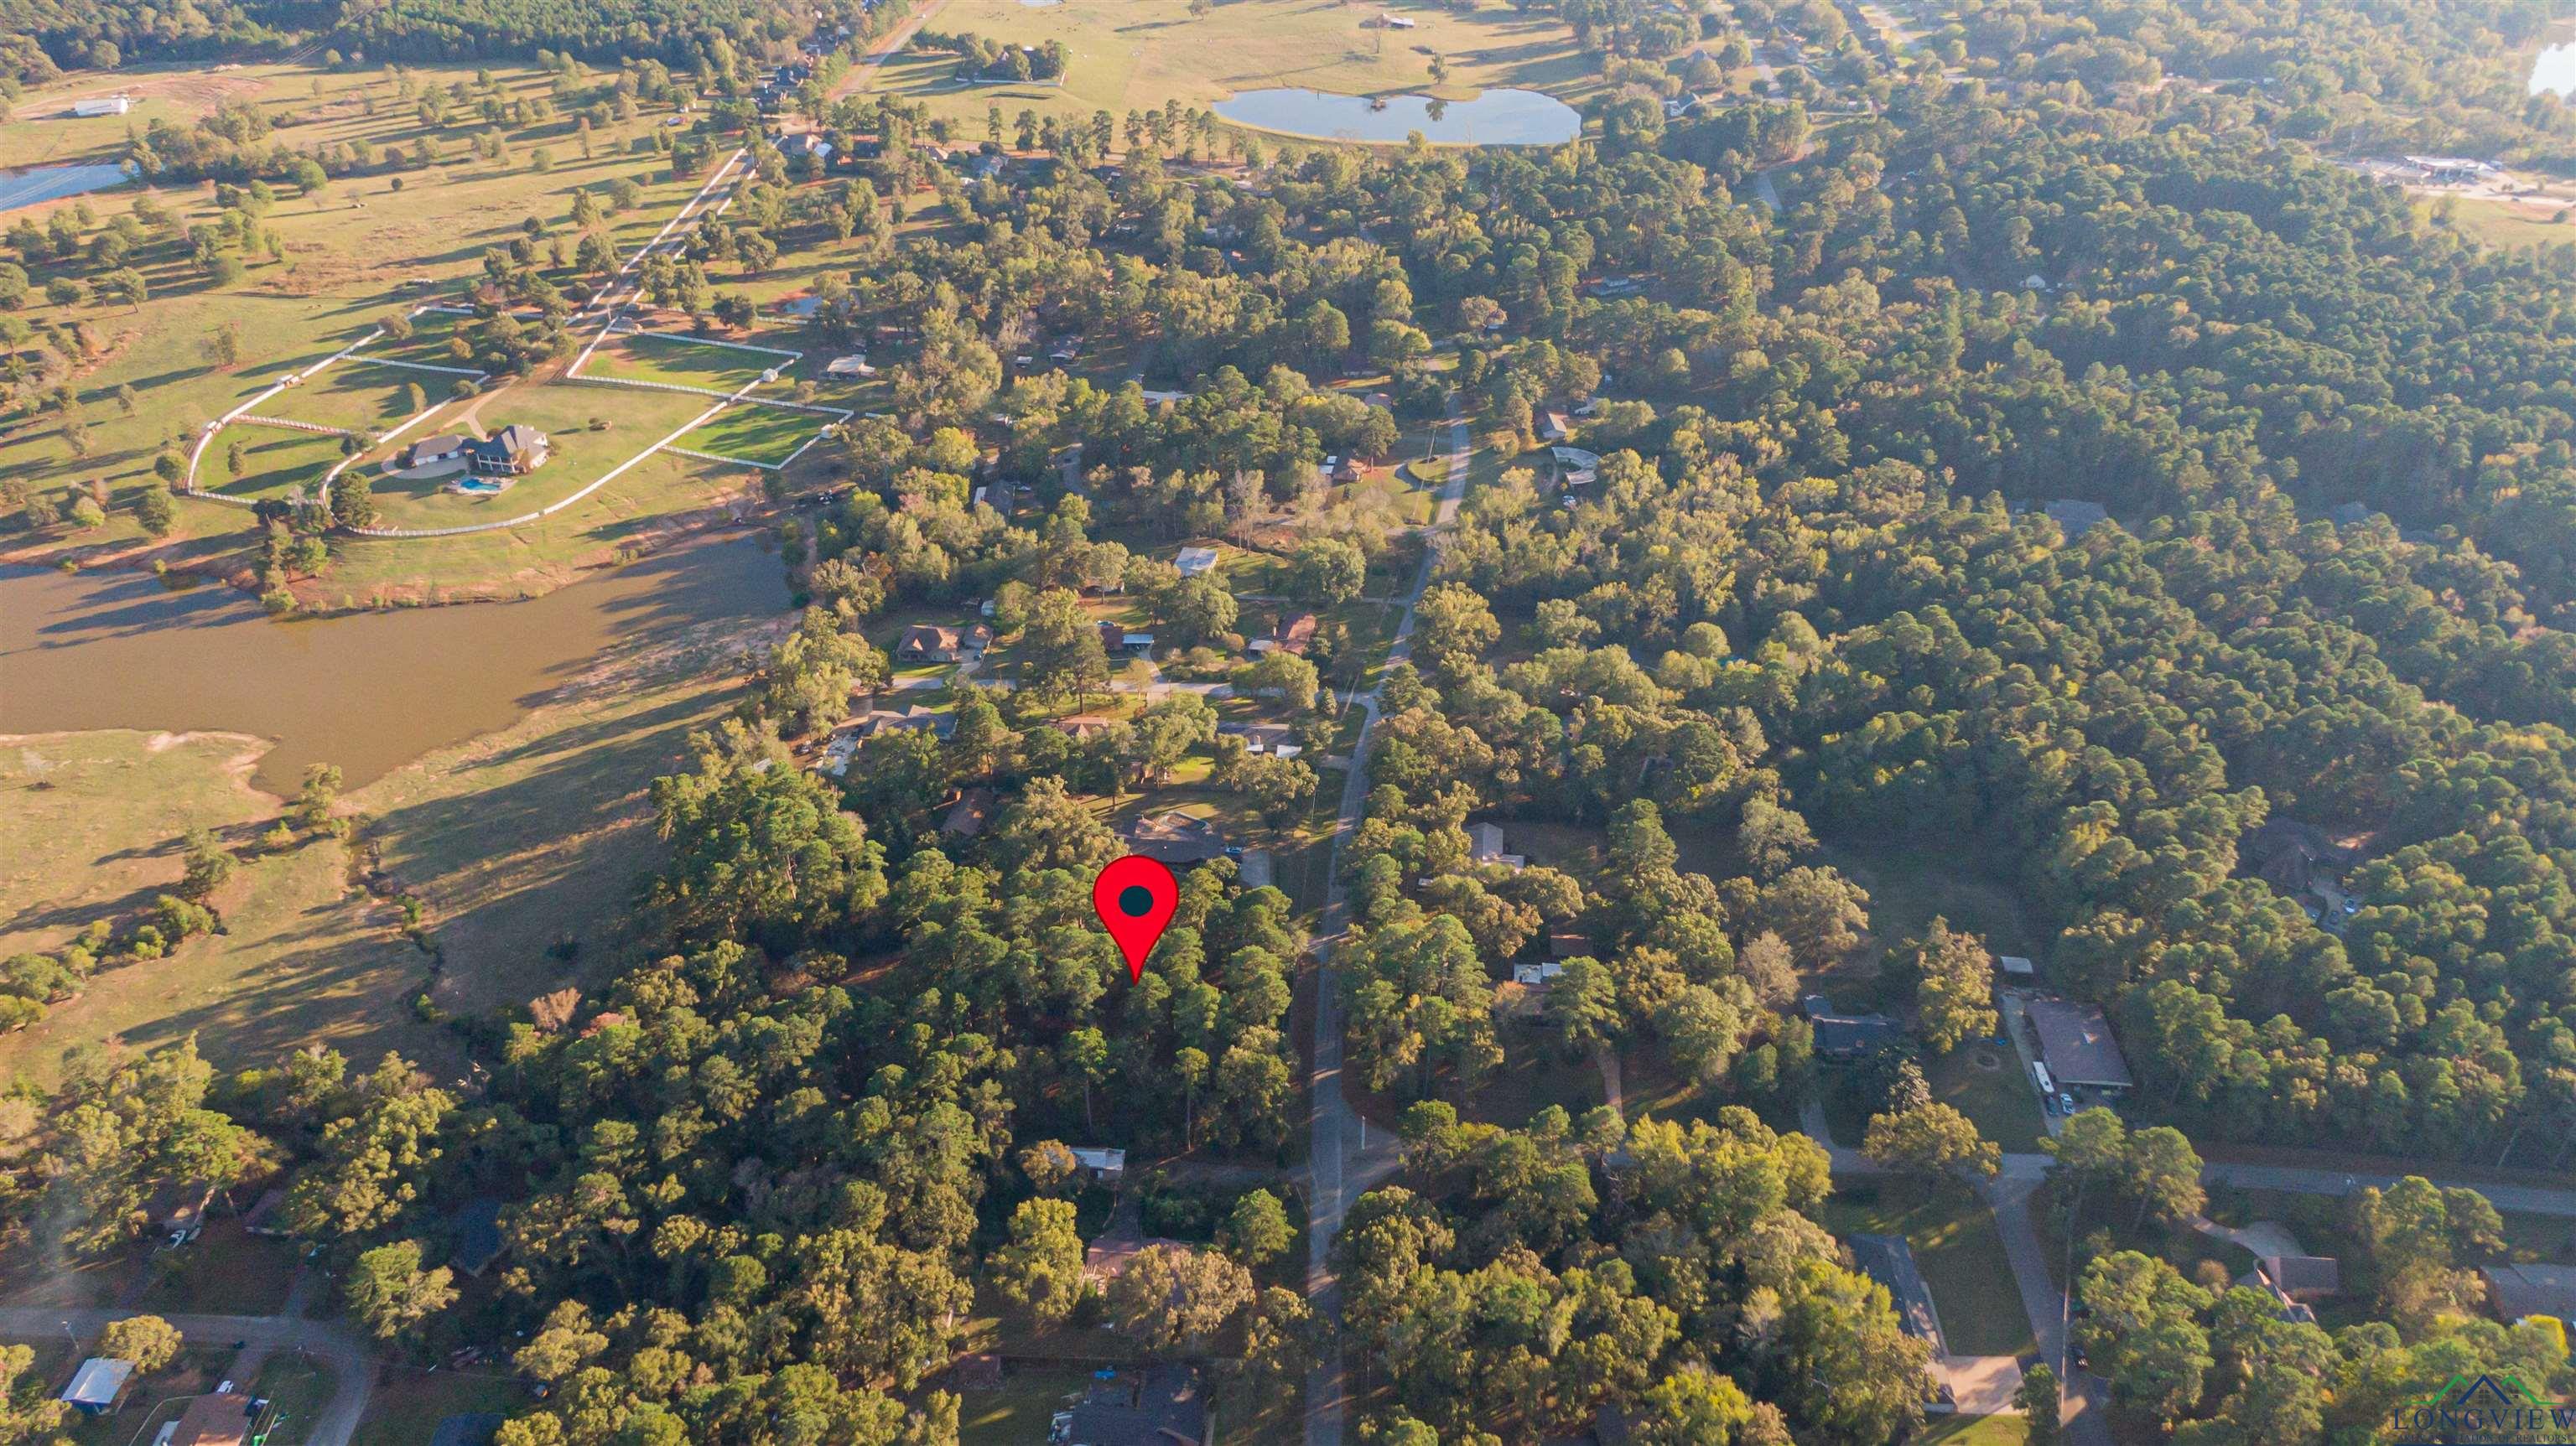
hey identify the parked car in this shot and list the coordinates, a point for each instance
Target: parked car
(2065, 1103)
(2048, 1103)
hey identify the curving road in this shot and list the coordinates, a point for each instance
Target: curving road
(1341, 1161)
(329, 1342)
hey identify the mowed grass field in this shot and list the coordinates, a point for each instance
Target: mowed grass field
(680, 361)
(756, 433)
(274, 460)
(357, 394)
(628, 420)
(356, 252)
(1137, 54)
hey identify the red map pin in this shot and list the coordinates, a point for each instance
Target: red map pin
(1135, 898)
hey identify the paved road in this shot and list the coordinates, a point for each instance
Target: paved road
(1341, 1161)
(329, 1342)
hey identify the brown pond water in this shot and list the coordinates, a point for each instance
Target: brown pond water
(367, 691)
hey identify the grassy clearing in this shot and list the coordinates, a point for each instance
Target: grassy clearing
(756, 434)
(653, 357)
(1018, 1413)
(1962, 1256)
(2504, 225)
(593, 431)
(353, 255)
(358, 395)
(428, 344)
(274, 461)
(1534, 1076)
(94, 822)
(1139, 54)
(1999, 1099)
(408, 1404)
(1957, 1430)
(227, 1271)
(304, 957)
(297, 1390)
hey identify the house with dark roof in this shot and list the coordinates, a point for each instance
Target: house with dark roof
(2518, 1292)
(2075, 515)
(514, 451)
(2076, 1043)
(1850, 1036)
(1889, 1260)
(479, 1241)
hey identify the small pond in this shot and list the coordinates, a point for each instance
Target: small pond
(1494, 118)
(2555, 70)
(36, 184)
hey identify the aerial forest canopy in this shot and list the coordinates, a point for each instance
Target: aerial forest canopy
(2080, 485)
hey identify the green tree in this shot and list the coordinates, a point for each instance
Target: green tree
(1040, 1269)
(391, 1295)
(1930, 1141)
(1256, 1231)
(147, 1340)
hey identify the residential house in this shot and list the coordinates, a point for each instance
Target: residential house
(221, 1419)
(98, 1386)
(267, 1217)
(2518, 1292)
(431, 451)
(2017, 967)
(1082, 727)
(966, 817)
(1538, 976)
(1889, 1260)
(1195, 561)
(1276, 739)
(479, 1240)
(2077, 517)
(1295, 634)
(1175, 838)
(1343, 471)
(1137, 1406)
(513, 451)
(1850, 1036)
(916, 718)
(1568, 944)
(929, 643)
(1574, 466)
(1485, 846)
(1116, 640)
(178, 1210)
(1553, 427)
(849, 368)
(1101, 1165)
(2296, 1283)
(2076, 1043)
(806, 143)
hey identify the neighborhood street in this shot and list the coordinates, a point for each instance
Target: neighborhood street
(1341, 1161)
(330, 1342)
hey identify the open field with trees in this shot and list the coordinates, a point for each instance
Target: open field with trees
(1137, 55)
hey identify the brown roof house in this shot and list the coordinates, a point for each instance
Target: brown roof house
(1175, 838)
(967, 817)
(2077, 1044)
(222, 1419)
(927, 643)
